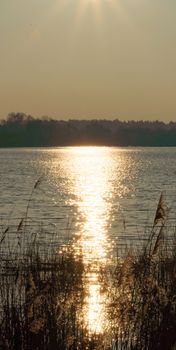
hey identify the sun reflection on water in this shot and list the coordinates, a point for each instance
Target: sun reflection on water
(92, 166)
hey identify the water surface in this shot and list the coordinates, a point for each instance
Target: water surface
(91, 196)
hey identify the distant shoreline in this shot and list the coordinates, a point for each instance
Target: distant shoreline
(72, 146)
(21, 130)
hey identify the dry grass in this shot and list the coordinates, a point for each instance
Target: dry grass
(42, 294)
(142, 306)
(40, 301)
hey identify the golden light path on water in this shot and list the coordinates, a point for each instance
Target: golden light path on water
(93, 167)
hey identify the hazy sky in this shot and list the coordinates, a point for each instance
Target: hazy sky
(88, 58)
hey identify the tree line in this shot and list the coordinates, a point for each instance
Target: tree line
(21, 130)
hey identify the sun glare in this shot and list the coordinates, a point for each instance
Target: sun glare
(91, 164)
(97, 8)
(88, 174)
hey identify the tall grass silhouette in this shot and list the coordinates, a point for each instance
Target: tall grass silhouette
(42, 293)
(142, 307)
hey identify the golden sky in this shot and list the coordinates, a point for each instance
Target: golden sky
(88, 58)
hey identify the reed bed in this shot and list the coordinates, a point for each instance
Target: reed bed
(40, 301)
(142, 302)
(42, 294)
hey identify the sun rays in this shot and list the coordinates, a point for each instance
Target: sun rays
(81, 9)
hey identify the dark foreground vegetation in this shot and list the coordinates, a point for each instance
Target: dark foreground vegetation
(21, 130)
(42, 294)
(143, 296)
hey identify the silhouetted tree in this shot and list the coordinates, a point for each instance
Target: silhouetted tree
(19, 130)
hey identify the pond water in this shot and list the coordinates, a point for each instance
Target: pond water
(94, 197)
